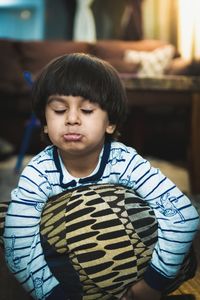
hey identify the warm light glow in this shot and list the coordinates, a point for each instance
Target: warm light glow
(197, 30)
(189, 29)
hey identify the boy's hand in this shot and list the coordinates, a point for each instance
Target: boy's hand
(141, 291)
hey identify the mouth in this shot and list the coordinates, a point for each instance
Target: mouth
(72, 137)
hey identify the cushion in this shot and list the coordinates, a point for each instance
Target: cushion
(180, 66)
(98, 240)
(11, 75)
(36, 54)
(3, 210)
(153, 63)
(123, 66)
(114, 49)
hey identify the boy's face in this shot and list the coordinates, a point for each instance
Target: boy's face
(75, 125)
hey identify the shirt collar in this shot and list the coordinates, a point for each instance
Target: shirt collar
(104, 156)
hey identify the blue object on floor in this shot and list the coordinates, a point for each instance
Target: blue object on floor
(31, 124)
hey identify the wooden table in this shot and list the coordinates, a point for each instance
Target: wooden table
(176, 90)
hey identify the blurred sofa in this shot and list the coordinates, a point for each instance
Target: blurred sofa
(19, 56)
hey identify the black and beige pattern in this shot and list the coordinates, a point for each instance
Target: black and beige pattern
(98, 240)
(3, 211)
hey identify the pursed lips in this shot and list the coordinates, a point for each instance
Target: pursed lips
(72, 136)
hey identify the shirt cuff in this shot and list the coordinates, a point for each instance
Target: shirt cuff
(156, 280)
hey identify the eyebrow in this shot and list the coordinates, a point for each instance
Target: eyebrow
(58, 98)
(55, 98)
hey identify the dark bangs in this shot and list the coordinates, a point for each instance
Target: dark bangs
(80, 75)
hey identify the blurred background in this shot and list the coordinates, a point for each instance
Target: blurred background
(175, 22)
(33, 31)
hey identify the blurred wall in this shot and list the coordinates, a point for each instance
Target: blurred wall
(59, 18)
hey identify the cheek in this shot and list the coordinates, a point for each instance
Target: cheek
(51, 127)
(52, 120)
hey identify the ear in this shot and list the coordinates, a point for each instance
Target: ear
(45, 129)
(110, 128)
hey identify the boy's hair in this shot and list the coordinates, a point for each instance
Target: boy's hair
(84, 75)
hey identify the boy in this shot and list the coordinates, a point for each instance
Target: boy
(81, 103)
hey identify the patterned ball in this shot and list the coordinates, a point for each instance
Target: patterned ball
(97, 240)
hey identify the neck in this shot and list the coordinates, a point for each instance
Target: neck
(83, 166)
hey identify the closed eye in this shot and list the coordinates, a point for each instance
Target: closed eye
(87, 111)
(59, 112)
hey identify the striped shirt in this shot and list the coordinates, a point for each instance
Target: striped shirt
(46, 176)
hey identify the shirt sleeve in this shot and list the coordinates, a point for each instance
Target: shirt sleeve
(177, 220)
(23, 251)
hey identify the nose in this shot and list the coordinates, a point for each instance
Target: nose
(72, 117)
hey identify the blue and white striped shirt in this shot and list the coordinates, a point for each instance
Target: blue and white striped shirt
(46, 176)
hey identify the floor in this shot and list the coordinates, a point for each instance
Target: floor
(192, 287)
